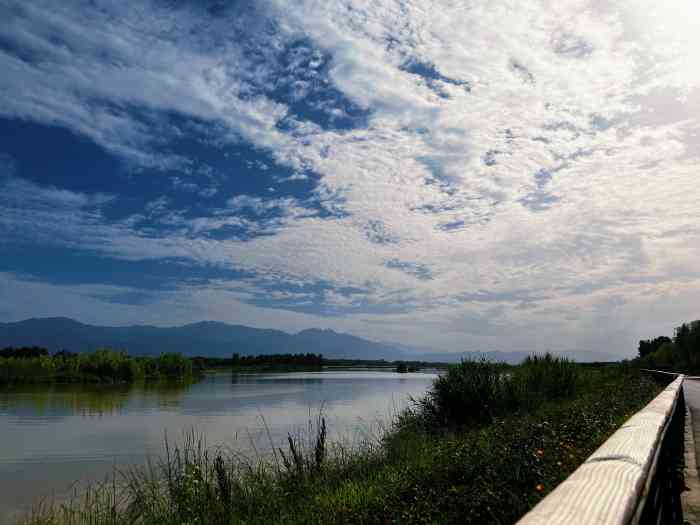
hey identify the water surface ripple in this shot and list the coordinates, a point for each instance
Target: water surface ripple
(54, 435)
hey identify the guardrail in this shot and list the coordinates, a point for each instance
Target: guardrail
(632, 478)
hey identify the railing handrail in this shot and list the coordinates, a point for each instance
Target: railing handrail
(611, 486)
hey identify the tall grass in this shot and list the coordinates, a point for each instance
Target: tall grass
(474, 392)
(99, 366)
(491, 467)
(195, 484)
(543, 378)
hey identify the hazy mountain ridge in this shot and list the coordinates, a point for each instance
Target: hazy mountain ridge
(209, 338)
(216, 339)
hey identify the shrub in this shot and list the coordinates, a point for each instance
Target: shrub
(100, 366)
(26, 352)
(474, 392)
(173, 365)
(468, 393)
(545, 377)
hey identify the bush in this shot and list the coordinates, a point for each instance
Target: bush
(474, 392)
(468, 393)
(542, 378)
(26, 352)
(173, 365)
(100, 366)
(680, 354)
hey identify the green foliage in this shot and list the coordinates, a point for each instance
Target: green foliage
(544, 378)
(304, 459)
(492, 473)
(99, 367)
(681, 354)
(469, 393)
(172, 365)
(413, 366)
(277, 360)
(474, 392)
(404, 367)
(649, 346)
(25, 352)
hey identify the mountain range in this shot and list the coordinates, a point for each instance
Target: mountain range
(216, 339)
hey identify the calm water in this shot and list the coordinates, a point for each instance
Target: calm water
(52, 436)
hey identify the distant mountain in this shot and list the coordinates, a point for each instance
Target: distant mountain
(214, 339)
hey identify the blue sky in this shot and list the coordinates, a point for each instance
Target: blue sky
(459, 176)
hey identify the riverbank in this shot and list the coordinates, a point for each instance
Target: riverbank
(306, 363)
(102, 366)
(492, 466)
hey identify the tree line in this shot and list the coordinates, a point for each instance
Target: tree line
(24, 352)
(304, 360)
(680, 352)
(35, 365)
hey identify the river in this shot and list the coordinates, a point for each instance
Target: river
(52, 436)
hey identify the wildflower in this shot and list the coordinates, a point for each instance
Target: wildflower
(539, 452)
(539, 487)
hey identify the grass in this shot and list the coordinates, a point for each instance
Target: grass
(520, 432)
(475, 392)
(101, 366)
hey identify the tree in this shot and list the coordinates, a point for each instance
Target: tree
(649, 346)
(28, 352)
(687, 341)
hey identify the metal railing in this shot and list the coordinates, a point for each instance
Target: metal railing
(635, 477)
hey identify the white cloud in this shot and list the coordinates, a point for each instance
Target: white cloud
(444, 174)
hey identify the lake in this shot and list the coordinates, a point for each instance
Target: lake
(54, 435)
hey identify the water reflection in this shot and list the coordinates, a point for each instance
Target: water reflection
(53, 435)
(58, 400)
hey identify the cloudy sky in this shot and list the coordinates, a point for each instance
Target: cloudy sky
(459, 175)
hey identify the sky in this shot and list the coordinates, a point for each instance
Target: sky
(455, 175)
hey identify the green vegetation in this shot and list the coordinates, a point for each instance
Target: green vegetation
(382, 363)
(302, 362)
(483, 447)
(262, 363)
(475, 392)
(102, 366)
(680, 353)
(403, 367)
(276, 362)
(25, 352)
